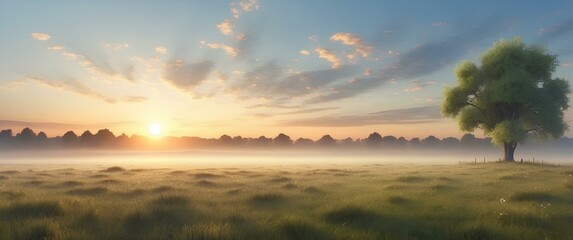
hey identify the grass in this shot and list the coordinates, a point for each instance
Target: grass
(465, 201)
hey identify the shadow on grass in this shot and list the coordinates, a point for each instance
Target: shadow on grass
(164, 216)
(70, 184)
(281, 180)
(388, 227)
(162, 189)
(206, 175)
(41, 209)
(110, 181)
(533, 197)
(12, 195)
(114, 169)
(92, 191)
(397, 200)
(205, 183)
(295, 227)
(410, 179)
(263, 199)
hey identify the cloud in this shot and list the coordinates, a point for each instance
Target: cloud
(440, 24)
(304, 52)
(556, 31)
(417, 86)
(258, 82)
(355, 41)
(104, 73)
(226, 27)
(231, 51)
(161, 50)
(115, 46)
(41, 36)
(313, 38)
(186, 76)
(37, 125)
(296, 112)
(243, 6)
(329, 56)
(414, 115)
(56, 48)
(73, 86)
(419, 61)
(309, 82)
(135, 99)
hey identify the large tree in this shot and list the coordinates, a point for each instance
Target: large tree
(510, 96)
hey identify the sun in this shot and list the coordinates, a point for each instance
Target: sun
(155, 129)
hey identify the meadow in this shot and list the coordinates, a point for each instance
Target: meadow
(342, 201)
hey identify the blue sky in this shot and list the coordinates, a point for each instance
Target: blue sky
(254, 67)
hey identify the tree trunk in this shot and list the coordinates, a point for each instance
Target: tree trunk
(508, 150)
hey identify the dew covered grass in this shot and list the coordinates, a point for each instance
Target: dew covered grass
(409, 201)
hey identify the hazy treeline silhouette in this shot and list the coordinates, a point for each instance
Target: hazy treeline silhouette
(105, 139)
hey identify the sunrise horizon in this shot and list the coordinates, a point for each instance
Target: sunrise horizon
(235, 74)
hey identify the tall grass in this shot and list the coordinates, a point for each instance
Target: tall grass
(486, 201)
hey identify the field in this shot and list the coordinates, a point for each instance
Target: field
(408, 201)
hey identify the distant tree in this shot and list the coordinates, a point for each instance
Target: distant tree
(225, 139)
(104, 137)
(468, 139)
(122, 140)
(304, 142)
(510, 95)
(69, 139)
(283, 140)
(374, 139)
(431, 141)
(347, 142)
(86, 139)
(238, 140)
(450, 142)
(326, 140)
(6, 134)
(42, 138)
(27, 135)
(402, 142)
(389, 141)
(263, 141)
(415, 142)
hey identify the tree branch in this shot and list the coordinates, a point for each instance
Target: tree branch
(473, 105)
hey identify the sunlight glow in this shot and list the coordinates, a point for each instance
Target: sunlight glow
(155, 129)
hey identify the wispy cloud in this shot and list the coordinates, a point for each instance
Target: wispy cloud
(226, 27)
(41, 36)
(329, 56)
(304, 52)
(103, 73)
(243, 6)
(231, 51)
(352, 40)
(414, 115)
(186, 76)
(73, 86)
(440, 24)
(560, 29)
(161, 50)
(115, 46)
(421, 60)
(416, 85)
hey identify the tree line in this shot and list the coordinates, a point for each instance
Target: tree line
(105, 139)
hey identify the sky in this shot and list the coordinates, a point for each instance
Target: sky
(254, 67)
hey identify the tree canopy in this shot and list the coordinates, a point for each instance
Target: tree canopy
(510, 95)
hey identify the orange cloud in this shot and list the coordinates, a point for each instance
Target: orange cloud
(328, 55)
(239, 7)
(228, 49)
(161, 50)
(41, 36)
(352, 40)
(226, 27)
